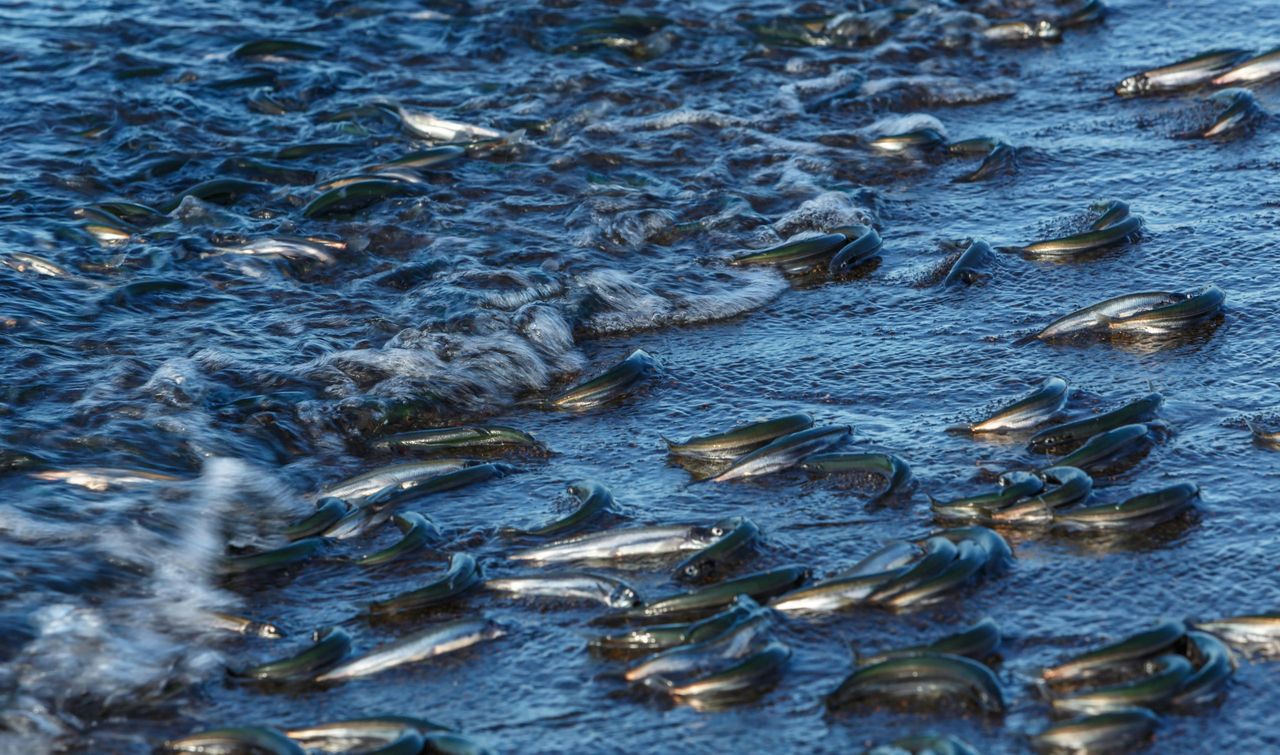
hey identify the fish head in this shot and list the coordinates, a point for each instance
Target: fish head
(724, 527)
(1133, 86)
(270, 631)
(704, 536)
(624, 596)
(1046, 29)
(699, 569)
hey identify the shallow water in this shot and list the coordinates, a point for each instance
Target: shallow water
(506, 275)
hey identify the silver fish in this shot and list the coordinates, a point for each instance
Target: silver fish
(428, 643)
(570, 585)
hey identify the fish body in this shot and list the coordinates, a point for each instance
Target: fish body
(1069, 436)
(1145, 644)
(1184, 74)
(740, 440)
(418, 646)
(569, 586)
(612, 385)
(922, 678)
(622, 543)
(785, 452)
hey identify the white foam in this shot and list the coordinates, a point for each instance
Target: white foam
(828, 210)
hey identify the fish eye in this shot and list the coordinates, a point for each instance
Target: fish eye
(691, 570)
(717, 530)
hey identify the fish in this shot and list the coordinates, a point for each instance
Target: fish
(759, 586)
(224, 191)
(277, 48)
(735, 534)
(1014, 486)
(939, 553)
(921, 139)
(836, 593)
(1088, 241)
(664, 636)
(921, 679)
(570, 586)
(1092, 12)
(865, 243)
(329, 647)
(462, 575)
(99, 479)
(1043, 30)
(353, 196)
(1097, 315)
(593, 500)
(1240, 115)
(329, 510)
(465, 438)
(433, 641)
(1252, 71)
(259, 740)
(354, 489)
(291, 248)
(363, 734)
(1184, 74)
(378, 508)
(733, 443)
(977, 642)
(1262, 436)
(1251, 631)
(435, 128)
(416, 531)
(1117, 730)
(973, 147)
(735, 642)
(424, 158)
(622, 543)
(807, 251)
(241, 625)
(1028, 411)
(1064, 487)
(23, 261)
(896, 472)
(1109, 214)
(1124, 441)
(1145, 644)
(1165, 677)
(970, 558)
(967, 269)
(745, 679)
(893, 554)
(1001, 160)
(612, 385)
(1067, 437)
(453, 743)
(1177, 314)
(278, 558)
(1137, 513)
(1215, 665)
(999, 555)
(785, 452)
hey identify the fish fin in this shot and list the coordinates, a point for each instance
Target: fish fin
(1030, 338)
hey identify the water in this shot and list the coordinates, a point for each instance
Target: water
(598, 230)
